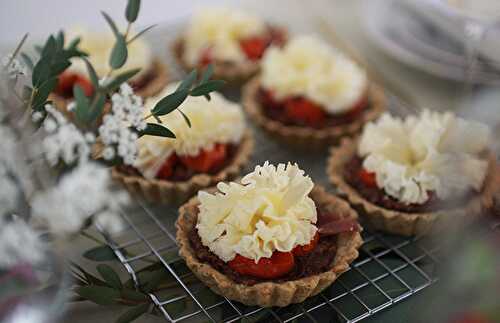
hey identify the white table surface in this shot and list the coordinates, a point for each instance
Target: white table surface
(40, 17)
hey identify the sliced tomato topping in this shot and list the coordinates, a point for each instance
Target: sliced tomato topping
(368, 178)
(206, 160)
(206, 57)
(268, 100)
(254, 47)
(167, 169)
(278, 265)
(304, 250)
(68, 80)
(302, 110)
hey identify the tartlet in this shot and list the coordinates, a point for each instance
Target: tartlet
(426, 194)
(150, 80)
(214, 148)
(289, 266)
(309, 95)
(232, 40)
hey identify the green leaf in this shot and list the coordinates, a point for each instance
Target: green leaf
(97, 107)
(98, 294)
(50, 47)
(60, 40)
(185, 118)
(170, 103)
(188, 82)
(154, 129)
(207, 87)
(109, 276)
(133, 313)
(27, 60)
(132, 10)
(38, 49)
(43, 92)
(119, 53)
(41, 71)
(74, 43)
(111, 24)
(155, 278)
(92, 73)
(89, 277)
(207, 74)
(59, 67)
(139, 34)
(100, 253)
(133, 295)
(82, 104)
(120, 79)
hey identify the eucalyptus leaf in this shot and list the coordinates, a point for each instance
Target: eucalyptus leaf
(27, 60)
(188, 82)
(60, 40)
(119, 53)
(38, 49)
(50, 47)
(97, 107)
(139, 34)
(207, 74)
(100, 253)
(133, 313)
(132, 10)
(82, 109)
(154, 129)
(120, 79)
(155, 278)
(74, 43)
(111, 24)
(43, 92)
(207, 87)
(188, 122)
(99, 294)
(94, 79)
(59, 67)
(109, 276)
(170, 102)
(132, 294)
(41, 71)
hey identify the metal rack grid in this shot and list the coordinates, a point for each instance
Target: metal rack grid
(389, 269)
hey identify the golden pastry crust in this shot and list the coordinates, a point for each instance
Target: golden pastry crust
(306, 137)
(402, 223)
(267, 294)
(162, 191)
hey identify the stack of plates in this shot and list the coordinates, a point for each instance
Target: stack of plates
(426, 36)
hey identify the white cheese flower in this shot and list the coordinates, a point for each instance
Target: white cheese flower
(308, 67)
(434, 152)
(270, 210)
(212, 122)
(219, 29)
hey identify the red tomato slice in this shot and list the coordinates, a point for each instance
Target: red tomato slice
(254, 47)
(167, 170)
(304, 250)
(68, 79)
(368, 178)
(206, 160)
(278, 265)
(300, 109)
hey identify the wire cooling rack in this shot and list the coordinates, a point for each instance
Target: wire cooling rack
(388, 270)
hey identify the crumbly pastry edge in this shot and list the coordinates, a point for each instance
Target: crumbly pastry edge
(305, 137)
(404, 223)
(163, 191)
(268, 294)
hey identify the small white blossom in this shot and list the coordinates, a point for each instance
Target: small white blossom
(71, 106)
(19, 243)
(64, 141)
(115, 131)
(14, 66)
(84, 193)
(37, 116)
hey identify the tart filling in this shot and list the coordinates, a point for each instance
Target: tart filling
(206, 146)
(309, 83)
(422, 163)
(267, 228)
(228, 36)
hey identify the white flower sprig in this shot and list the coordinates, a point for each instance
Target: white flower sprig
(13, 66)
(82, 194)
(119, 129)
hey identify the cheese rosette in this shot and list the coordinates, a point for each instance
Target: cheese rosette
(306, 66)
(432, 152)
(98, 45)
(218, 121)
(269, 211)
(220, 30)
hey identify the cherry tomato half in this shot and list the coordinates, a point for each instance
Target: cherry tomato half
(300, 109)
(368, 178)
(206, 161)
(278, 265)
(167, 169)
(254, 47)
(304, 250)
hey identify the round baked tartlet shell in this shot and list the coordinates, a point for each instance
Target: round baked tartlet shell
(268, 294)
(163, 191)
(307, 137)
(403, 223)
